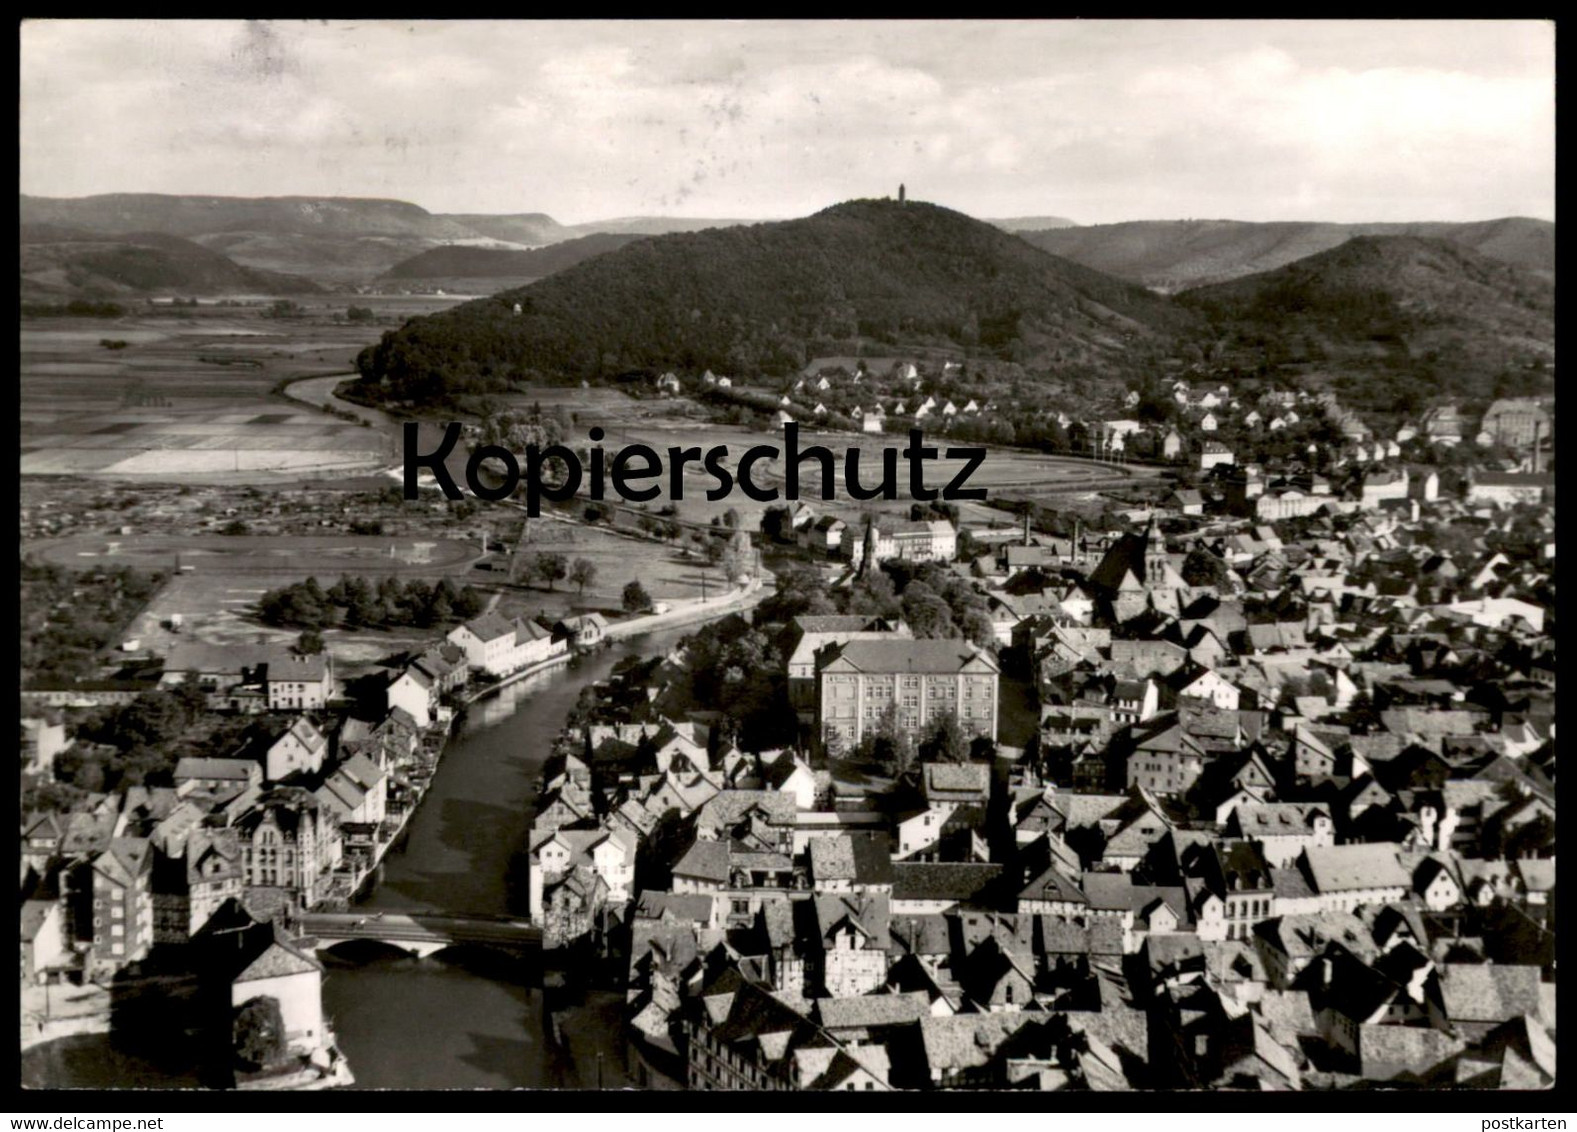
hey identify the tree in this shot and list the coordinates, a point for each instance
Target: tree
(927, 614)
(259, 1032)
(888, 744)
(438, 610)
(947, 743)
(635, 598)
(737, 558)
(976, 625)
(833, 745)
(731, 518)
(551, 568)
(1201, 568)
(583, 573)
(468, 603)
(309, 643)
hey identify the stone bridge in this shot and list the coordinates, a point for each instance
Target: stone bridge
(419, 933)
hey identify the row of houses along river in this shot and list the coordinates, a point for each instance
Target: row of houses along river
(452, 1020)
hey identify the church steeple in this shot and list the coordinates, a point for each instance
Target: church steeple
(868, 557)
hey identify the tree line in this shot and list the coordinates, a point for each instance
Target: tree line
(69, 617)
(358, 603)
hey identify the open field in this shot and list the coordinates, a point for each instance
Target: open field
(231, 573)
(295, 557)
(216, 610)
(192, 395)
(667, 574)
(172, 443)
(1005, 473)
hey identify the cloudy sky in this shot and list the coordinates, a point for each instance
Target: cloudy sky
(1098, 121)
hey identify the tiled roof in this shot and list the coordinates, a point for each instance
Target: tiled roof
(1344, 868)
(306, 669)
(126, 857)
(489, 626)
(1389, 1051)
(925, 880)
(872, 1010)
(937, 657)
(831, 858)
(1278, 819)
(1488, 992)
(869, 915)
(967, 1041)
(705, 860)
(278, 960)
(973, 778)
(237, 769)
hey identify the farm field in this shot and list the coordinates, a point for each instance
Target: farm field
(1057, 480)
(232, 572)
(1013, 474)
(324, 556)
(667, 574)
(215, 609)
(191, 397)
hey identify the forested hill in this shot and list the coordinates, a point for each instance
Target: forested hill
(498, 263)
(762, 299)
(1402, 318)
(65, 261)
(1171, 255)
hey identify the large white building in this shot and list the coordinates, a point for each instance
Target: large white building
(859, 680)
(498, 646)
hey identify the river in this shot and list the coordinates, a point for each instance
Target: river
(432, 1023)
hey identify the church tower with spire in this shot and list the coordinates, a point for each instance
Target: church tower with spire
(1155, 560)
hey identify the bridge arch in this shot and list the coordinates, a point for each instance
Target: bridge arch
(482, 956)
(363, 949)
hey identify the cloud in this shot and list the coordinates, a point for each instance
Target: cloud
(1100, 120)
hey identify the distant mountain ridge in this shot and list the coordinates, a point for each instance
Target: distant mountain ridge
(336, 240)
(529, 229)
(203, 215)
(60, 261)
(453, 262)
(1173, 255)
(655, 225)
(1034, 223)
(353, 240)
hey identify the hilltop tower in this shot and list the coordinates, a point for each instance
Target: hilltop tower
(900, 193)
